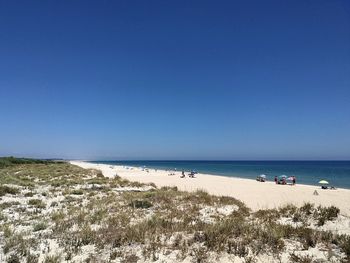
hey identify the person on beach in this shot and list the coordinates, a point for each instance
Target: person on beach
(183, 174)
(294, 180)
(276, 180)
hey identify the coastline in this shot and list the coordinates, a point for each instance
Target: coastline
(255, 195)
(306, 172)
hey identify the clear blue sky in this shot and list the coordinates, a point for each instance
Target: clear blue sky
(175, 79)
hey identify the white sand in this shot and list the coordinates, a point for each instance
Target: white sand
(255, 195)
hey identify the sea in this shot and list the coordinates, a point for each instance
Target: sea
(337, 173)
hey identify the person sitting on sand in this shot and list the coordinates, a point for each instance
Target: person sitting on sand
(284, 180)
(183, 174)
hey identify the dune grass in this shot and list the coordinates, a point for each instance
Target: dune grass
(77, 208)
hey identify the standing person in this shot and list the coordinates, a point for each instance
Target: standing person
(294, 180)
(276, 181)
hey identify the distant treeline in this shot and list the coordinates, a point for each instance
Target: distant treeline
(8, 161)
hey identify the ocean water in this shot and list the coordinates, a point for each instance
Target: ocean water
(337, 173)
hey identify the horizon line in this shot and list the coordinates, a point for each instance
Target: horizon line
(217, 160)
(179, 160)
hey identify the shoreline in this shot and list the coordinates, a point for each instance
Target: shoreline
(256, 195)
(231, 175)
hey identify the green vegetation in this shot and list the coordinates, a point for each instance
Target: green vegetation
(324, 214)
(8, 190)
(10, 161)
(39, 226)
(52, 259)
(140, 204)
(37, 203)
(80, 207)
(77, 192)
(5, 205)
(29, 194)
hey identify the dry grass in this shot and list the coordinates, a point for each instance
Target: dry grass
(86, 208)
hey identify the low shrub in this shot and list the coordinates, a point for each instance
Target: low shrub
(37, 203)
(9, 204)
(100, 174)
(4, 189)
(29, 194)
(344, 243)
(54, 204)
(130, 258)
(200, 255)
(77, 192)
(39, 226)
(10, 161)
(267, 215)
(13, 241)
(13, 259)
(2, 217)
(307, 236)
(141, 204)
(300, 259)
(324, 214)
(169, 188)
(52, 259)
(31, 258)
(307, 209)
(8, 232)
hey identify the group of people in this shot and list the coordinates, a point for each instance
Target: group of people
(283, 180)
(183, 175)
(191, 174)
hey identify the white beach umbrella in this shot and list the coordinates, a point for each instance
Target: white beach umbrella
(323, 182)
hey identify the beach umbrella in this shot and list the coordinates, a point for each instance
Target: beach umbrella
(262, 176)
(323, 182)
(283, 176)
(290, 178)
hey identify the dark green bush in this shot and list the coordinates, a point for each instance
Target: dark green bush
(77, 192)
(8, 161)
(344, 243)
(140, 204)
(324, 214)
(39, 226)
(307, 209)
(37, 203)
(4, 189)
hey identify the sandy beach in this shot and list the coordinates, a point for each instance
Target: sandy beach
(255, 195)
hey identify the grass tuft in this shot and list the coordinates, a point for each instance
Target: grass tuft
(37, 203)
(4, 189)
